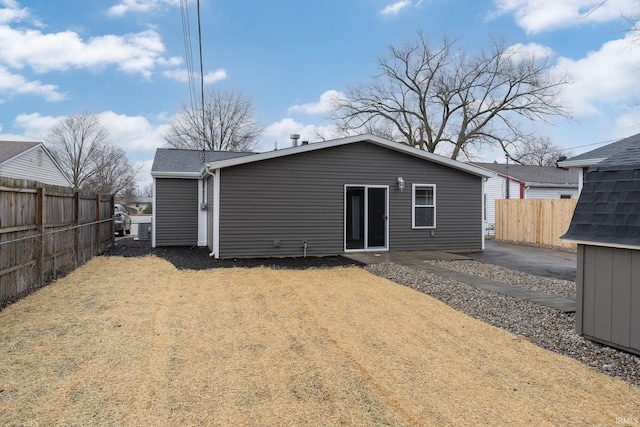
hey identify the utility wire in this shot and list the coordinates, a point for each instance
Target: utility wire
(204, 141)
(186, 31)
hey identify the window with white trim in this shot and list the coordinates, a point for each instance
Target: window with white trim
(424, 206)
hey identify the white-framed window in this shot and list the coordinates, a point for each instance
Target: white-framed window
(424, 206)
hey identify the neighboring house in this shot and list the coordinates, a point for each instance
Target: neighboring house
(31, 161)
(525, 182)
(360, 193)
(590, 158)
(139, 204)
(606, 228)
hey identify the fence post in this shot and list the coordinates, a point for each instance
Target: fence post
(97, 229)
(40, 218)
(76, 230)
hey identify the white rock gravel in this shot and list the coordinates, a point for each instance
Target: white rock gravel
(543, 326)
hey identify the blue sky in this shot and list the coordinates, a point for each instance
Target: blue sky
(124, 60)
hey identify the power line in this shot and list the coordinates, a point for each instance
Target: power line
(186, 31)
(201, 79)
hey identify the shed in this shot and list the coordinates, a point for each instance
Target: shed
(32, 161)
(606, 228)
(361, 193)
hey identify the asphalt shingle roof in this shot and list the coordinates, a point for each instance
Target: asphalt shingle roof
(534, 174)
(188, 161)
(608, 210)
(608, 150)
(9, 149)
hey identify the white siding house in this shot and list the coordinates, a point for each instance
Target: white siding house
(525, 182)
(31, 161)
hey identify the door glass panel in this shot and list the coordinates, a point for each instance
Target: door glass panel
(355, 218)
(377, 217)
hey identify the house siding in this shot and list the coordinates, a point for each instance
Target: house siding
(608, 296)
(551, 192)
(296, 199)
(26, 166)
(176, 212)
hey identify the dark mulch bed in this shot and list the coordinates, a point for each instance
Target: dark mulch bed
(197, 258)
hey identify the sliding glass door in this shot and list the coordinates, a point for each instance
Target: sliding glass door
(366, 218)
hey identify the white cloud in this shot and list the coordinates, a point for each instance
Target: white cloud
(16, 84)
(280, 131)
(182, 75)
(324, 105)
(395, 8)
(139, 6)
(536, 16)
(133, 53)
(606, 76)
(12, 12)
(132, 133)
(524, 51)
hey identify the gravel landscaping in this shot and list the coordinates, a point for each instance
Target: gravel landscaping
(545, 327)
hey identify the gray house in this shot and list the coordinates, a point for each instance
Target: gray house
(606, 227)
(361, 193)
(32, 161)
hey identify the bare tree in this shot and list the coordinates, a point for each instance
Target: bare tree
(227, 124)
(147, 191)
(76, 142)
(442, 99)
(84, 149)
(537, 151)
(114, 174)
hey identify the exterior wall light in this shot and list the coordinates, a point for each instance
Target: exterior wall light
(400, 183)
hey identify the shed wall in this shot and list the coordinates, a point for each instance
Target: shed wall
(608, 296)
(293, 199)
(176, 212)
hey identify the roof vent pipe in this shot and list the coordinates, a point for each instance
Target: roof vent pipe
(294, 139)
(305, 142)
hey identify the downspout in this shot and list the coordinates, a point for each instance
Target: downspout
(213, 175)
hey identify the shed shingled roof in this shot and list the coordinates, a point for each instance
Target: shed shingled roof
(608, 210)
(534, 174)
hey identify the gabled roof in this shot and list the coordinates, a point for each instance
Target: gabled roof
(173, 162)
(536, 176)
(305, 148)
(608, 210)
(600, 154)
(10, 149)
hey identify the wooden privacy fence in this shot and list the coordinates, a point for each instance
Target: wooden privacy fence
(47, 231)
(536, 221)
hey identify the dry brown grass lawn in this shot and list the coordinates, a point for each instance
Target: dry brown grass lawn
(126, 341)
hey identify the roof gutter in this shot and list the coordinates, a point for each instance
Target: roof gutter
(580, 163)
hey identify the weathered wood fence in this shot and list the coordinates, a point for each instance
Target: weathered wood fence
(47, 231)
(536, 221)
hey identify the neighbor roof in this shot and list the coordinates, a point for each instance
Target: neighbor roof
(535, 175)
(600, 154)
(10, 149)
(608, 210)
(186, 163)
(415, 152)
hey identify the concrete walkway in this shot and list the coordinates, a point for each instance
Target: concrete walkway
(416, 259)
